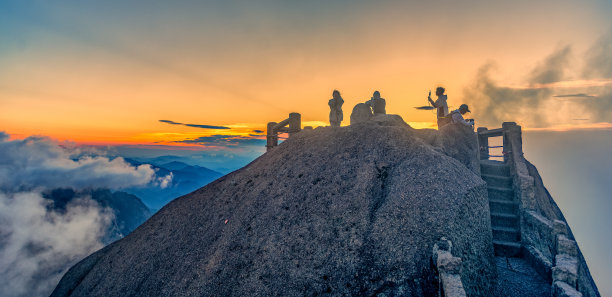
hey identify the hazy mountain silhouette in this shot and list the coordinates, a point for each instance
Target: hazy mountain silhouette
(185, 179)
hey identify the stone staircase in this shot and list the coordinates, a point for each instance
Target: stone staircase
(505, 220)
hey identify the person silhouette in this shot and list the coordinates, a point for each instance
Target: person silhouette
(335, 112)
(377, 103)
(441, 105)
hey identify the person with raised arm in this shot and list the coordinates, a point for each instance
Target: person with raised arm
(441, 106)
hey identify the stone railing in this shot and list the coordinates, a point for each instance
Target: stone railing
(448, 268)
(546, 240)
(291, 125)
(565, 270)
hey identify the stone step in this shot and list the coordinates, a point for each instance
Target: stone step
(504, 220)
(503, 206)
(498, 168)
(497, 181)
(506, 234)
(506, 248)
(497, 193)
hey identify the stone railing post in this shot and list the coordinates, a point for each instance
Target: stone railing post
(513, 154)
(565, 270)
(449, 269)
(483, 143)
(510, 131)
(271, 136)
(295, 123)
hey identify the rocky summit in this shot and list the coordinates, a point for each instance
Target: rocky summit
(332, 211)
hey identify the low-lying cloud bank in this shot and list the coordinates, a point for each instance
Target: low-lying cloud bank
(39, 162)
(541, 101)
(38, 243)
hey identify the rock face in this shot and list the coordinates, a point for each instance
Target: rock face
(340, 211)
(456, 141)
(361, 113)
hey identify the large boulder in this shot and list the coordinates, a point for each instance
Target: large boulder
(361, 113)
(456, 141)
(341, 211)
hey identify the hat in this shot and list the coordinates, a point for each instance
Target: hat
(464, 106)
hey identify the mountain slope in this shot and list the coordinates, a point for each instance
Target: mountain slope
(340, 211)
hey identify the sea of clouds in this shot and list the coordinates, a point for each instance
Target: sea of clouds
(37, 242)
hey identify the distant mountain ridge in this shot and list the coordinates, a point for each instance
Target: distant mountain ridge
(185, 179)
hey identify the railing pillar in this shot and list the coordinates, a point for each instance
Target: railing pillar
(295, 123)
(483, 143)
(271, 136)
(509, 128)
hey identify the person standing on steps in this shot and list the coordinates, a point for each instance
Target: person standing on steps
(457, 116)
(441, 106)
(335, 106)
(377, 104)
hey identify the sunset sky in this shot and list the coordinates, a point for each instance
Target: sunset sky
(200, 79)
(107, 73)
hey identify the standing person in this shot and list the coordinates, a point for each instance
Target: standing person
(377, 104)
(441, 105)
(457, 116)
(335, 106)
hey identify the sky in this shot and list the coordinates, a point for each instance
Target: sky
(111, 72)
(200, 79)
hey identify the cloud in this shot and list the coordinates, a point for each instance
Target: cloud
(598, 59)
(164, 181)
(258, 131)
(39, 244)
(493, 104)
(225, 141)
(538, 104)
(580, 95)
(194, 125)
(39, 162)
(552, 69)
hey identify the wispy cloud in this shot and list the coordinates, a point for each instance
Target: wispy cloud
(195, 125)
(580, 95)
(224, 141)
(572, 127)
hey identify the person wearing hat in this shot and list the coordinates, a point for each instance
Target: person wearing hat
(457, 116)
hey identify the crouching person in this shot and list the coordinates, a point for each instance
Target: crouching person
(457, 116)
